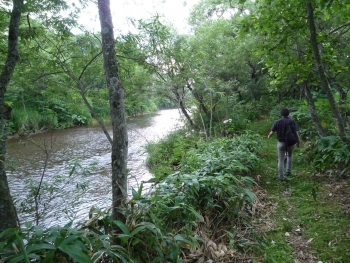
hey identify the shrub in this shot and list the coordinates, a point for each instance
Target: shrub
(329, 154)
(57, 244)
(211, 182)
(31, 121)
(165, 156)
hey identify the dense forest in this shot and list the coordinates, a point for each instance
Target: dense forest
(215, 195)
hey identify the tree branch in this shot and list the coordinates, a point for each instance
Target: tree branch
(339, 27)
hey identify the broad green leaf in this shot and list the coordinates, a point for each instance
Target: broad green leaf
(17, 259)
(97, 255)
(174, 253)
(137, 229)
(136, 241)
(8, 231)
(196, 214)
(134, 193)
(75, 253)
(49, 256)
(122, 226)
(22, 248)
(38, 247)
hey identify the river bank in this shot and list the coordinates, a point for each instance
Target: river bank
(93, 123)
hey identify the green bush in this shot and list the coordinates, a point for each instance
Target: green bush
(329, 154)
(166, 155)
(57, 244)
(31, 121)
(224, 154)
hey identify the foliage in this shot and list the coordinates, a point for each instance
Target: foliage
(243, 65)
(163, 222)
(166, 155)
(56, 69)
(224, 155)
(239, 117)
(210, 183)
(50, 245)
(57, 244)
(329, 155)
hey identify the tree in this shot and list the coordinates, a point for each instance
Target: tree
(166, 51)
(117, 111)
(48, 12)
(302, 51)
(321, 71)
(8, 216)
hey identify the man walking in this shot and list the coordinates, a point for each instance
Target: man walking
(280, 127)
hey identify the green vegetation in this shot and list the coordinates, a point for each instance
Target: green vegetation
(309, 207)
(215, 195)
(305, 218)
(207, 200)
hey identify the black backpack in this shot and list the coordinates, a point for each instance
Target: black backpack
(289, 137)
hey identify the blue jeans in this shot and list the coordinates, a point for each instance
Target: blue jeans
(282, 151)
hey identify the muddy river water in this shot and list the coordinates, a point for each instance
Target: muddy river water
(75, 167)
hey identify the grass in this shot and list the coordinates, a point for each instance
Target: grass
(307, 224)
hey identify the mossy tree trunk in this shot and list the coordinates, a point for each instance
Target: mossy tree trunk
(117, 112)
(8, 216)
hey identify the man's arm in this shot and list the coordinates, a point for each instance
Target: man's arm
(273, 129)
(270, 134)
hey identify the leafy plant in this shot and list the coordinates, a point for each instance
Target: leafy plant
(46, 245)
(211, 182)
(329, 154)
(166, 155)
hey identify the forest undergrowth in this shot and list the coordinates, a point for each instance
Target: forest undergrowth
(306, 218)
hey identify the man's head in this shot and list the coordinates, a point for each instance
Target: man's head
(285, 112)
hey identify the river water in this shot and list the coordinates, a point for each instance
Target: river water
(78, 170)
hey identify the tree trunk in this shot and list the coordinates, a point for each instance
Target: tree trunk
(93, 113)
(342, 99)
(312, 109)
(179, 99)
(199, 98)
(117, 112)
(321, 72)
(184, 111)
(8, 216)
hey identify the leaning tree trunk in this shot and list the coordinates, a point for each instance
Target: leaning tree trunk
(312, 109)
(321, 72)
(8, 216)
(92, 111)
(117, 112)
(180, 100)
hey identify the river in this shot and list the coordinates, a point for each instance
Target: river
(78, 171)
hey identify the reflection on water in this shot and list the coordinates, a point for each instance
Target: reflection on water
(77, 173)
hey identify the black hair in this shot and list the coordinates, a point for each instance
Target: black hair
(285, 112)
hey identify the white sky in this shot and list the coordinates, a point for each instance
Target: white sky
(175, 12)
